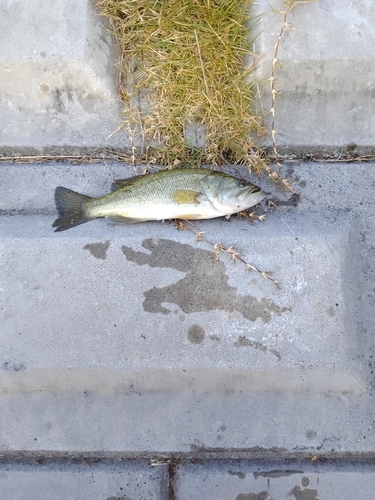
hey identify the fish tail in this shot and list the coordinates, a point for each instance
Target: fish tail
(70, 206)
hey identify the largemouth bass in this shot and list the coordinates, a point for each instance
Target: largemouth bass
(191, 193)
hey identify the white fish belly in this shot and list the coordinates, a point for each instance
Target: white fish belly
(182, 211)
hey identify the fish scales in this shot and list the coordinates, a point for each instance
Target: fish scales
(149, 193)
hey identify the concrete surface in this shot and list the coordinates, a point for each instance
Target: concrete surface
(143, 320)
(325, 77)
(57, 83)
(83, 480)
(133, 342)
(246, 481)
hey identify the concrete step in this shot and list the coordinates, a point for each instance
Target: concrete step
(119, 479)
(200, 305)
(134, 341)
(111, 335)
(84, 480)
(325, 74)
(246, 481)
(57, 85)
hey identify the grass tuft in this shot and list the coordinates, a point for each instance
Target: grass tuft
(184, 78)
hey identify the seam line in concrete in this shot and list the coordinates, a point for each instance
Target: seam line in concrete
(174, 460)
(172, 471)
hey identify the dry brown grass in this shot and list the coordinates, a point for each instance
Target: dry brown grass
(184, 67)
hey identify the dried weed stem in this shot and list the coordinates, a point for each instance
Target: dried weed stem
(275, 176)
(231, 250)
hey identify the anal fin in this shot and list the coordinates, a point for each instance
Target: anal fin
(125, 220)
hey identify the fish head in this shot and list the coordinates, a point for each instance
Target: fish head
(230, 195)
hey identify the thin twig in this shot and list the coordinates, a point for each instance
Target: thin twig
(201, 61)
(297, 240)
(219, 247)
(112, 174)
(282, 183)
(274, 92)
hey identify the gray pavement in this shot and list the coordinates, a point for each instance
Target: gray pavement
(57, 85)
(325, 75)
(133, 362)
(134, 340)
(244, 481)
(83, 480)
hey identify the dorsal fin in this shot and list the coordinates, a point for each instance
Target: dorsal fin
(120, 183)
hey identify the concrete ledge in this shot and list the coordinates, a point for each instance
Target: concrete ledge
(73, 292)
(325, 76)
(110, 480)
(199, 381)
(134, 339)
(78, 337)
(57, 90)
(242, 481)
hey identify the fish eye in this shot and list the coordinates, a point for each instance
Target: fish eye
(241, 184)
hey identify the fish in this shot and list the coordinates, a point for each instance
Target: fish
(181, 193)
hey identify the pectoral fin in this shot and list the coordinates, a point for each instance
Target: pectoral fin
(186, 197)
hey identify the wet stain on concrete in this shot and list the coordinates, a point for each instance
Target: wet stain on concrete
(98, 250)
(305, 481)
(44, 87)
(196, 334)
(216, 338)
(59, 105)
(243, 341)
(311, 434)
(60, 97)
(123, 497)
(205, 286)
(351, 147)
(293, 201)
(262, 495)
(305, 494)
(200, 447)
(13, 366)
(241, 475)
(331, 312)
(275, 474)
(220, 429)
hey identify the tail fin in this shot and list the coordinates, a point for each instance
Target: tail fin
(69, 204)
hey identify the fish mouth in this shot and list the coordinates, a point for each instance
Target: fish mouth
(255, 189)
(254, 195)
(257, 194)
